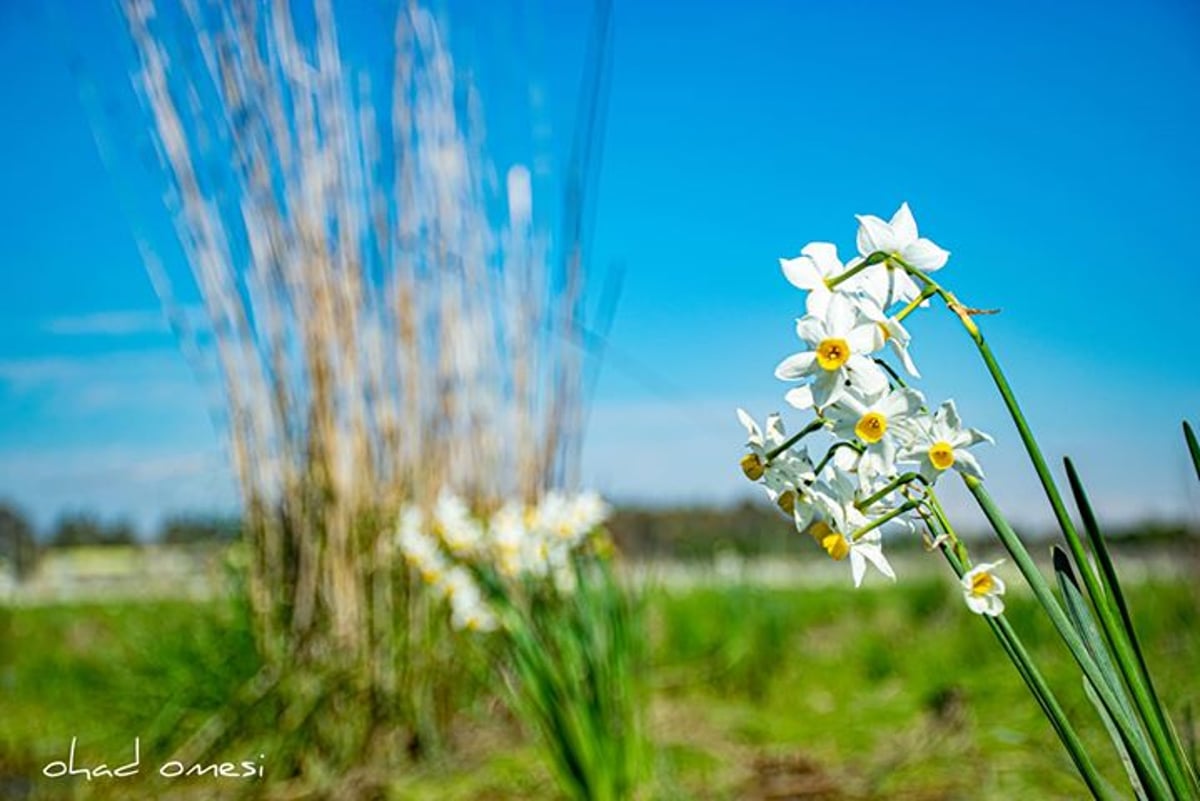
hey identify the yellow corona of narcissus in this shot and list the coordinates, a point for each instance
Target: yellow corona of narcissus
(940, 443)
(880, 424)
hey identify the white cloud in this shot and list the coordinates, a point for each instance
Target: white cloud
(71, 386)
(138, 483)
(109, 323)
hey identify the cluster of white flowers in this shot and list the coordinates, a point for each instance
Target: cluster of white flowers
(516, 542)
(888, 443)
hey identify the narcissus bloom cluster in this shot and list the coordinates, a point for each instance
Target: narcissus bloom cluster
(453, 547)
(889, 444)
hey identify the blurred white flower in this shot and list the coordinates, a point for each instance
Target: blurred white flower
(420, 550)
(458, 529)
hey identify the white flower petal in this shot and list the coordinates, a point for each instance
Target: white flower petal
(925, 255)
(875, 235)
(906, 361)
(903, 224)
(824, 257)
(874, 553)
(812, 329)
(904, 288)
(827, 387)
(817, 302)
(802, 272)
(965, 463)
(858, 565)
(874, 282)
(948, 414)
(751, 427)
(800, 397)
(798, 365)
(841, 317)
(775, 431)
(901, 402)
(866, 338)
(866, 375)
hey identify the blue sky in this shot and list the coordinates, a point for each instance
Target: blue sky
(1050, 149)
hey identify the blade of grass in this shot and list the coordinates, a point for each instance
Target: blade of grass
(1085, 624)
(1114, 734)
(1115, 597)
(1140, 749)
(1193, 445)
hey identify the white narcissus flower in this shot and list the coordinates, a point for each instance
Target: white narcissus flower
(867, 548)
(880, 423)
(940, 443)
(785, 475)
(760, 442)
(817, 263)
(884, 282)
(983, 589)
(842, 340)
(836, 533)
(894, 334)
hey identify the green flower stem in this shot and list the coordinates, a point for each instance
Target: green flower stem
(927, 293)
(887, 368)
(874, 258)
(829, 454)
(935, 504)
(1024, 663)
(876, 523)
(1147, 767)
(1117, 637)
(888, 488)
(815, 425)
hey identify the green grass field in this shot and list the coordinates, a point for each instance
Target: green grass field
(886, 692)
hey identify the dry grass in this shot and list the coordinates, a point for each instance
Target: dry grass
(379, 331)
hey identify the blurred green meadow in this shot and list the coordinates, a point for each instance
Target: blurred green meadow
(760, 691)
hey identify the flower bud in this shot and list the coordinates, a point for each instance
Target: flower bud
(753, 466)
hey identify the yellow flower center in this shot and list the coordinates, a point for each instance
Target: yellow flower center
(819, 530)
(884, 329)
(982, 584)
(835, 545)
(871, 428)
(942, 455)
(752, 466)
(787, 501)
(832, 353)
